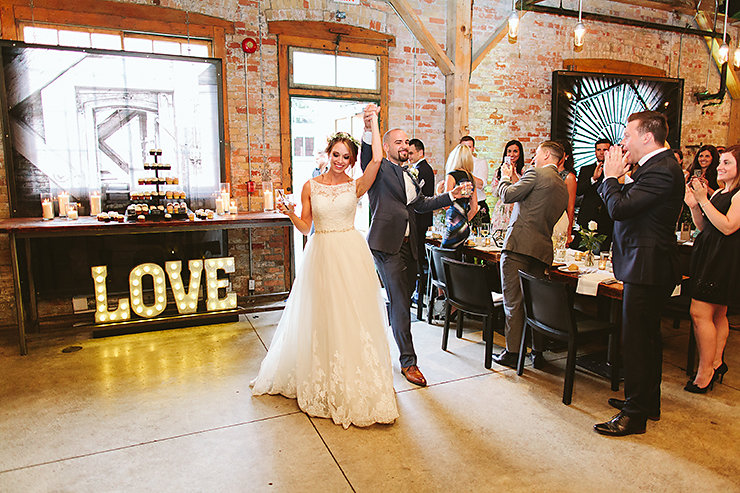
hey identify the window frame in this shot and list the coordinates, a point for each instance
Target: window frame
(355, 90)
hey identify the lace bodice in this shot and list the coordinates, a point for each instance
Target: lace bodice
(333, 206)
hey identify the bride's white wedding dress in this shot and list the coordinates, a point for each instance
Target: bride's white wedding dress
(330, 350)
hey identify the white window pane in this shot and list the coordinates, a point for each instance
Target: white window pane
(167, 47)
(137, 44)
(316, 69)
(195, 50)
(357, 72)
(106, 41)
(40, 35)
(74, 38)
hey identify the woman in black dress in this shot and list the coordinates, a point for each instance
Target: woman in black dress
(715, 266)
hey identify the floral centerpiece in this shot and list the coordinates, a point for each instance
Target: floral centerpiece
(591, 240)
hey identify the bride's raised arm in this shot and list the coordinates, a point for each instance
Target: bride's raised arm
(365, 181)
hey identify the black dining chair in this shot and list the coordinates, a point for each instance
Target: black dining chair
(437, 275)
(470, 290)
(548, 308)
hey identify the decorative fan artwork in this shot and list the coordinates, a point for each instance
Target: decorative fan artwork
(589, 107)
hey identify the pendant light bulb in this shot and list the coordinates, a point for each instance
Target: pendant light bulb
(579, 32)
(513, 24)
(723, 54)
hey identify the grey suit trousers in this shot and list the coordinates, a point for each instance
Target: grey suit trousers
(398, 273)
(511, 264)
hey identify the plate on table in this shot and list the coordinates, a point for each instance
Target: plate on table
(566, 268)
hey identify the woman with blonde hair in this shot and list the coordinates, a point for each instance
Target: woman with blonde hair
(459, 169)
(715, 266)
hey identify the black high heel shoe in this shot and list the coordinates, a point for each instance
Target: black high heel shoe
(695, 389)
(719, 372)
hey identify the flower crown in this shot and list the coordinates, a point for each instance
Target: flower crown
(342, 136)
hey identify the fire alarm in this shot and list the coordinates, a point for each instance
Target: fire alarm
(249, 45)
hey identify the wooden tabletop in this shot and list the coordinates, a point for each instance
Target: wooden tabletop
(612, 291)
(89, 226)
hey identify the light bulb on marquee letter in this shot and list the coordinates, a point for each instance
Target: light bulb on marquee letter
(102, 314)
(213, 283)
(187, 302)
(135, 286)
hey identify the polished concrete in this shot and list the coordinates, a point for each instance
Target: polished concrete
(172, 411)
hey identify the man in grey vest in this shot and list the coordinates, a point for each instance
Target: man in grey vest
(540, 198)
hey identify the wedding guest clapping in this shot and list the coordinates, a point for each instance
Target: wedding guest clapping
(715, 267)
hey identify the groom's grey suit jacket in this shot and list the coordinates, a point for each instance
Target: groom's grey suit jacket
(390, 214)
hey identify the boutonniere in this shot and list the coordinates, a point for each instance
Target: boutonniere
(413, 172)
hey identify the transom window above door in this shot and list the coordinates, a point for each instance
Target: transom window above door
(317, 69)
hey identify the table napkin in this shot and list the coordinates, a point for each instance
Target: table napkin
(588, 281)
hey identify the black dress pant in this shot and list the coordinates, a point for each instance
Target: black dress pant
(642, 347)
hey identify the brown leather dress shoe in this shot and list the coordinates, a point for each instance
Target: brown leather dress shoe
(414, 375)
(621, 425)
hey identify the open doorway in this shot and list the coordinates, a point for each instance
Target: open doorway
(312, 121)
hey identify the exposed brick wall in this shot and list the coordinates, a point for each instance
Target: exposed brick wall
(510, 93)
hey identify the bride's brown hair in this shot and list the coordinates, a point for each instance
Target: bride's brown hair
(348, 141)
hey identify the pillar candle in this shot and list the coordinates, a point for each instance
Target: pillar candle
(269, 201)
(95, 204)
(219, 205)
(47, 209)
(233, 209)
(63, 202)
(225, 201)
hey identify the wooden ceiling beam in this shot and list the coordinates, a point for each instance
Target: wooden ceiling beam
(423, 36)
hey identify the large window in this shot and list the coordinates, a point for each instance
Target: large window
(83, 120)
(587, 107)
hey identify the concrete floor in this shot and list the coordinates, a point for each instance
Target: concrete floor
(172, 411)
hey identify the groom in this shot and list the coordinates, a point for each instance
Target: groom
(395, 196)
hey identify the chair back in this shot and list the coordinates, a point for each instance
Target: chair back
(548, 305)
(438, 253)
(469, 286)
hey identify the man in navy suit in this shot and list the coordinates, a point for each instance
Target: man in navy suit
(395, 198)
(645, 210)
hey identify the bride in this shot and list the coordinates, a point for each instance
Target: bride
(330, 351)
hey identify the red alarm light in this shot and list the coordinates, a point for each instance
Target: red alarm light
(250, 186)
(249, 45)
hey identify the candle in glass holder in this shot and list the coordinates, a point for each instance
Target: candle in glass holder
(72, 213)
(233, 209)
(602, 261)
(268, 199)
(219, 204)
(95, 203)
(225, 196)
(63, 203)
(47, 206)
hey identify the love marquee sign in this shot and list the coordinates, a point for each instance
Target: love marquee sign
(185, 300)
